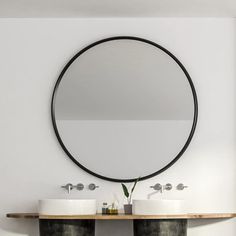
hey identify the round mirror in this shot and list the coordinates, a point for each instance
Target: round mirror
(123, 108)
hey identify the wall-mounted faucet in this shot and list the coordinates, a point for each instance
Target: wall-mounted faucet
(79, 187)
(161, 188)
(70, 186)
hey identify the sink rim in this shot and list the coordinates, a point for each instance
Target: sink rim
(67, 206)
(159, 200)
(64, 200)
(159, 206)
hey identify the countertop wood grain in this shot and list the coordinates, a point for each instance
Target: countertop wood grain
(122, 216)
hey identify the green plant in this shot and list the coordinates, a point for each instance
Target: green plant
(126, 192)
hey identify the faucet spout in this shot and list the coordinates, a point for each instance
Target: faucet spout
(68, 187)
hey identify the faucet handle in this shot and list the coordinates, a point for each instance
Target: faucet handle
(68, 187)
(168, 187)
(157, 187)
(92, 186)
(181, 187)
(79, 186)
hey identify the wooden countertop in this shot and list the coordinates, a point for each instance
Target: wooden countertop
(23, 215)
(123, 217)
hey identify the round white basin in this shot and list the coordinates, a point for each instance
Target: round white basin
(158, 207)
(67, 207)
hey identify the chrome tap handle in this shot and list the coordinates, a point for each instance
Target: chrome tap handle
(168, 187)
(92, 186)
(181, 187)
(68, 187)
(157, 187)
(79, 186)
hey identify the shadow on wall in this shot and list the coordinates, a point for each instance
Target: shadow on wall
(204, 222)
(126, 228)
(20, 226)
(114, 228)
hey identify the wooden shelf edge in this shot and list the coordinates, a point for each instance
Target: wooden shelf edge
(23, 215)
(123, 217)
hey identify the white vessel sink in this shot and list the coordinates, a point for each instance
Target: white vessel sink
(158, 207)
(67, 207)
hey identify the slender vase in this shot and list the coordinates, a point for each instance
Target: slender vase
(128, 209)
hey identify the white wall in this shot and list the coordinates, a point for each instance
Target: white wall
(33, 165)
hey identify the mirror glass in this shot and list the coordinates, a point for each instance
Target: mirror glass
(124, 108)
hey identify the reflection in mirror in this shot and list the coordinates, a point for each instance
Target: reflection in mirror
(124, 108)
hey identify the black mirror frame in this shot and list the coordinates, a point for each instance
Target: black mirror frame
(121, 38)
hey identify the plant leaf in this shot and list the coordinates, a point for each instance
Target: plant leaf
(135, 183)
(125, 190)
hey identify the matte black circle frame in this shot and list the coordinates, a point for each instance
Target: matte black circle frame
(126, 38)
